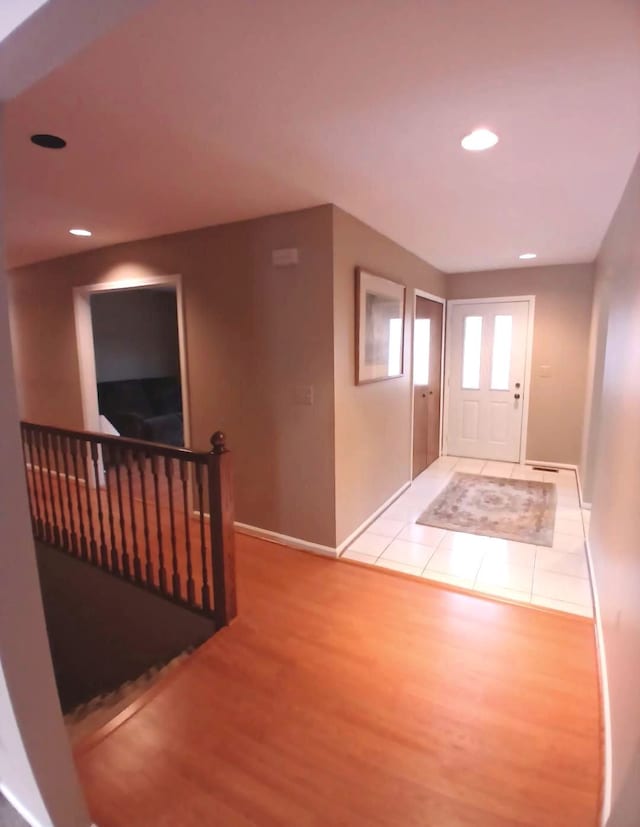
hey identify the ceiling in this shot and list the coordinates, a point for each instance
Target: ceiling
(210, 111)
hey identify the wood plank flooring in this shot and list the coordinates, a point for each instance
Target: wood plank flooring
(344, 696)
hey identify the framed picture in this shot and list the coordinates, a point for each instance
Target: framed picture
(379, 328)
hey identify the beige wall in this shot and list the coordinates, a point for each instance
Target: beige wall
(254, 332)
(561, 337)
(615, 525)
(372, 422)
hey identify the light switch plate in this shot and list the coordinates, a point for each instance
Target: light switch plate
(545, 371)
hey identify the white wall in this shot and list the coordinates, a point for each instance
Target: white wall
(35, 759)
(135, 334)
(615, 524)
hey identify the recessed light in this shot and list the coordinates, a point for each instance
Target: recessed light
(48, 141)
(479, 139)
(84, 233)
(528, 255)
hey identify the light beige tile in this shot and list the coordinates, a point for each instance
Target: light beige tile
(358, 555)
(456, 562)
(424, 534)
(571, 527)
(412, 554)
(469, 466)
(461, 541)
(449, 579)
(561, 587)
(386, 527)
(372, 544)
(573, 514)
(562, 606)
(563, 562)
(509, 552)
(505, 576)
(497, 469)
(567, 542)
(394, 565)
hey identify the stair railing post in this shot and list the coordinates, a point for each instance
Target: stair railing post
(222, 531)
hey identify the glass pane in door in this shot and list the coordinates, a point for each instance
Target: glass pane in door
(471, 352)
(501, 357)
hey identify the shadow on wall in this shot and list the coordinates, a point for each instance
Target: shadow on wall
(103, 631)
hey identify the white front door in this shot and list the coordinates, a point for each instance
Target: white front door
(487, 355)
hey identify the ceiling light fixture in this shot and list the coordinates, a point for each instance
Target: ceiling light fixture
(48, 141)
(479, 139)
(528, 255)
(83, 233)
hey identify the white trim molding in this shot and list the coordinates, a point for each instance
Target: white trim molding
(307, 545)
(86, 352)
(424, 295)
(371, 518)
(285, 540)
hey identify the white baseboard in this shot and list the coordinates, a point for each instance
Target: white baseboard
(285, 540)
(306, 545)
(364, 525)
(602, 676)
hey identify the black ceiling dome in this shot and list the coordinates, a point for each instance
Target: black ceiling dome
(48, 141)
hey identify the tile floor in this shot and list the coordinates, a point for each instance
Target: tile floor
(555, 578)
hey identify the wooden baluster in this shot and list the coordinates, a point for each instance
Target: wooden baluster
(39, 524)
(48, 534)
(93, 546)
(142, 472)
(32, 509)
(107, 461)
(73, 537)
(119, 457)
(84, 548)
(51, 491)
(206, 597)
(137, 567)
(175, 574)
(162, 573)
(56, 447)
(95, 455)
(191, 589)
(222, 530)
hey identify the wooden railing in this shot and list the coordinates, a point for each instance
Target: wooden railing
(157, 516)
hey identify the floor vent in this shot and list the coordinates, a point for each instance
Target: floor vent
(541, 468)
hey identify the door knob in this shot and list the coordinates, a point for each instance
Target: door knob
(516, 396)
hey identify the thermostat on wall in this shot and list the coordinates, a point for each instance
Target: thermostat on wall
(285, 257)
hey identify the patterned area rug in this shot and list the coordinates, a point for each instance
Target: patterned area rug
(521, 510)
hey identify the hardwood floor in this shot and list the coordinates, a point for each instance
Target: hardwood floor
(347, 696)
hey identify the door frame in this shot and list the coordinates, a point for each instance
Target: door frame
(531, 300)
(86, 352)
(424, 295)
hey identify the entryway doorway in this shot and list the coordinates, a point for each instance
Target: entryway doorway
(489, 344)
(131, 349)
(428, 328)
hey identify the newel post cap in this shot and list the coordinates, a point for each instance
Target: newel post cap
(218, 443)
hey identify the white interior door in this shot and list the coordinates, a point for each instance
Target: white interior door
(486, 379)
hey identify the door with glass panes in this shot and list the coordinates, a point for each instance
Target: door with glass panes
(487, 357)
